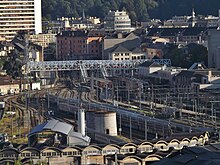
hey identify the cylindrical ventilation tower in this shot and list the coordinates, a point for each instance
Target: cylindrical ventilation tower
(105, 122)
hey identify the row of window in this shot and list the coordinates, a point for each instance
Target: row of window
(72, 52)
(133, 58)
(30, 154)
(49, 154)
(71, 153)
(95, 152)
(138, 57)
(122, 58)
(122, 54)
(110, 151)
(91, 152)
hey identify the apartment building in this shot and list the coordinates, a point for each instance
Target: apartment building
(19, 15)
(121, 53)
(114, 43)
(43, 39)
(118, 20)
(78, 45)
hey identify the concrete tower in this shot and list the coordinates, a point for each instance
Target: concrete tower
(105, 122)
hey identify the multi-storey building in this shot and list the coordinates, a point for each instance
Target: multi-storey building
(43, 39)
(121, 53)
(129, 42)
(19, 15)
(78, 45)
(47, 42)
(118, 20)
(214, 48)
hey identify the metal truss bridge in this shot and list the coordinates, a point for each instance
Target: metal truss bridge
(89, 64)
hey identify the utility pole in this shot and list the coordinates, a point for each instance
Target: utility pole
(106, 92)
(97, 91)
(130, 129)
(145, 123)
(116, 158)
(120, 128)
(48, 99)
(117, 94)
(25, 61)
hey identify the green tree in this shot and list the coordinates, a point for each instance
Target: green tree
(73, 8)
(185, 57)
(13, 65)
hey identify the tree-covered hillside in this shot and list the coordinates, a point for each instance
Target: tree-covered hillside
(137, 9)
(168, 8)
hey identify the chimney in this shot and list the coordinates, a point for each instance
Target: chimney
(120, 35)
(81, 122)
(209, 75)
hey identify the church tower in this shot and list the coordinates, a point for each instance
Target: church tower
(193, 18)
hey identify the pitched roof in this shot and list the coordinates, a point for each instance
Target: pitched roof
(120, 49)
(186, 73)
(53, 125)
(149, 64)
(137, 50)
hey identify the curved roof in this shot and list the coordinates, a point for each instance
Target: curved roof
(30, 148)
(51, 148)
(53, 125)
(9, 148)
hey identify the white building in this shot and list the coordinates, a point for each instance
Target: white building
(149, 68)
(118, 20)
(19, 15)
(121, 53)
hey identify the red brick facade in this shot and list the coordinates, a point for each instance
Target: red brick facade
(78, 45)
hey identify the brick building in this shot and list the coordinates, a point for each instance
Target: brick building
(78, 45)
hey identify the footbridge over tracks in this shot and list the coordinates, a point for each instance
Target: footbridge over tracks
(105, 66)
(89, 64)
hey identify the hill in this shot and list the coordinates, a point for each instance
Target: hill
(139, 10)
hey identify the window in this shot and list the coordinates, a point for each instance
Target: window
(22, 155)
(75, 152)
(54, 154)
(107, 131)
(130, 149)
(34, 154)
(49, 153)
